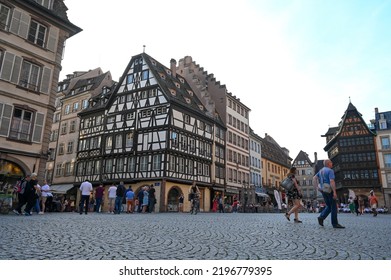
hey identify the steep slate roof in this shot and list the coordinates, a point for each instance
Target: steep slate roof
(272, 151)
(303, 156)
(99, 101)
(168, 83)
(351, 108)
(93, 82)
(166, 80)
(331, 131)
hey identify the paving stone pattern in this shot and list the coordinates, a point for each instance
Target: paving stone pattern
(206, 236)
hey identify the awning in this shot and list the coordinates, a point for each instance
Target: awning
(262, 194)
(62, 189)
(220, 189)
(231, 190)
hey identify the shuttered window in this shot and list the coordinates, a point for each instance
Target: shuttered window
(38, 127)
(5, 119)
(20, 23)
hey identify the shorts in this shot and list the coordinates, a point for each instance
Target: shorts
(111, 201)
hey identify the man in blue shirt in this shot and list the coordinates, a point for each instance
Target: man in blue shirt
(324, 180)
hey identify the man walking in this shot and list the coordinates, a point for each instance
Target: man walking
(86, 189)
(324, 180)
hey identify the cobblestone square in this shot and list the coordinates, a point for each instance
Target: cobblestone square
(206, 236)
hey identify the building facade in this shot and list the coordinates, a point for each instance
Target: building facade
(256, 168)
(352, 148)
(73, 96)
(153, 130)
(383, 131)
(235, 116)
(304, 173)
(276, 163)
(32, 40)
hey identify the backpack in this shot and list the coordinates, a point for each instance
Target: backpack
(20, 186)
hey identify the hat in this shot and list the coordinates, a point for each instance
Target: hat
(371, 191)
(33, 174)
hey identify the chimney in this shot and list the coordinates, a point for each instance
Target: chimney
(173, 67)
(376, 110)
(316, 157)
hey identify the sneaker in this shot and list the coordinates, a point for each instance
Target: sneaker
(320, 221)
(27, 214)
(16, 212)
(40, 213)
(338, 226)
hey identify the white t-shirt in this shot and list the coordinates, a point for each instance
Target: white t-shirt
(45, 190)
(112, 192)
(86, 188)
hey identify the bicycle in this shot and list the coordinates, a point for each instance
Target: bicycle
(195, 206)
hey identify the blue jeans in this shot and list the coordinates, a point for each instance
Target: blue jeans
(118, 204)
(98, 202)
(85, 200)
(331, 206)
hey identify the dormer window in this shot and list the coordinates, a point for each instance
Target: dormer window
(48, 4)
(383, 124)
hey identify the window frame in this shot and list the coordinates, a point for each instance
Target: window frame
(5, 24)
(34, 37)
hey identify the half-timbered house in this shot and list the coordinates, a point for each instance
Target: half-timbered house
(152, 130)
(352, 149)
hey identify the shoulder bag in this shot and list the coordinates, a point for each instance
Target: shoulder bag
(287, 184)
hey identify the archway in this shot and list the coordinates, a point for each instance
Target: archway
(173, 200)
(10, 172)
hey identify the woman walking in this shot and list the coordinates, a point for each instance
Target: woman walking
(295, 195)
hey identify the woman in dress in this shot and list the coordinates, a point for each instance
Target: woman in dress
(296, 197)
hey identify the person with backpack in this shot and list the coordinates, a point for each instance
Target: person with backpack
(30, 193)
(20, 189)
(324, 180)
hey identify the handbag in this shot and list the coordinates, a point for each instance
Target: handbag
(287, 184)
(325, 187)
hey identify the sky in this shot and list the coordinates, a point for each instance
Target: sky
(295, 64)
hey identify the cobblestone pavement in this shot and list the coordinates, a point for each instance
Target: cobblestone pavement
(206, 236)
